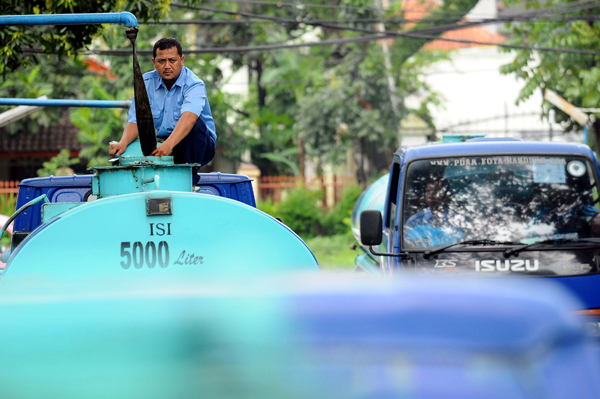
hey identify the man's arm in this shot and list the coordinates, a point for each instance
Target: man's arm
(129, 134)
(182, 129)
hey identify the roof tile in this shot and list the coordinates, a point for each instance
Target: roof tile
(48, 139)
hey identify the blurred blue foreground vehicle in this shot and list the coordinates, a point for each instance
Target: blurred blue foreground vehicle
(302, 338)
(490, 207)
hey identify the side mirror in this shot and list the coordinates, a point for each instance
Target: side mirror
(371, 232)
(371, 227)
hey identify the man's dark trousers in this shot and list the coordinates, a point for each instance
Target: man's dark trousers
(197, 147)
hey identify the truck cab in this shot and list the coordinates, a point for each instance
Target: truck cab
(488, 207)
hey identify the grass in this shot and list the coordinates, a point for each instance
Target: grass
(332, 252)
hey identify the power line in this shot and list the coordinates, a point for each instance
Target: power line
(416, 34)
(368, 20)
(513, 46)
(425, 33)
(570, 7)
(211, 50)
(277, 82)
(280, 4)
(360, 39)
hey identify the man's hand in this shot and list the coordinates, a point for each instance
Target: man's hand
(116, 148)
(163, 150)
(129, 134)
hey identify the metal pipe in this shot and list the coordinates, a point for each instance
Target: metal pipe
(124, 18)
(34, 201)
(66, 103)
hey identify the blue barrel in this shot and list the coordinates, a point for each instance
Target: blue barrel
(57, 188)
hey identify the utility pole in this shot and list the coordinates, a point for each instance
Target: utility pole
(383, 5)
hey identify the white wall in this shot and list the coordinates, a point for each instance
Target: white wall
(473, 88)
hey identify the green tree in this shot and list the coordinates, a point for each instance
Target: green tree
(353, 110)
(61, 39)
(62, 73)
(59, 165)
(97, 126)
(51, 77)
(576, 77)
(267, 118)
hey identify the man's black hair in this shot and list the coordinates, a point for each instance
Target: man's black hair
(167, 43)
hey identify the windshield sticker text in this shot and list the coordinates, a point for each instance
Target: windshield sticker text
(498, 161)
(513, 265)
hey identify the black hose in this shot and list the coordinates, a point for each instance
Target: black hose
(143, 112)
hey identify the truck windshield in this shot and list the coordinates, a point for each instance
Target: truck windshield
(517, 198)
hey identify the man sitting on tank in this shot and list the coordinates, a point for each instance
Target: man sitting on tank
(180, 109)
(436, 225)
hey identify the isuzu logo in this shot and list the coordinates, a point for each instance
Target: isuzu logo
(513, 265)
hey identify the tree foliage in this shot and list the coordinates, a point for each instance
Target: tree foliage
(59, 165)
(352, 110)
(51, 77)
(61, 39)
(97, 126)
(312, 102)
(575, 77)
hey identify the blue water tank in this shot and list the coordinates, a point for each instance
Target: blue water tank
(74, 189)
(237, 187)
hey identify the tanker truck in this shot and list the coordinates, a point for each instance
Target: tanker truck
(142, 215)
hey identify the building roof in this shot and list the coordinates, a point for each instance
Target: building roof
(417, 9)
(47, 141)
(474, 33)
(98, 67)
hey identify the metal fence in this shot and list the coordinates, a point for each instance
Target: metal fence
(332, 186)
(9, 187)
(8, 196)
(269, 187)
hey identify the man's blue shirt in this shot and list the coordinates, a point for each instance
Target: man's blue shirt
(424, 230)
(188, 94)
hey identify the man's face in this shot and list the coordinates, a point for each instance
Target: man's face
(436, 193)
(168, 64)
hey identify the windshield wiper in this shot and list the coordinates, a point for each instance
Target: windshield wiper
(559, 241)
(428, 253)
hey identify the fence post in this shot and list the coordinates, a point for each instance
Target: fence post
(329, 186)
(336, 190)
